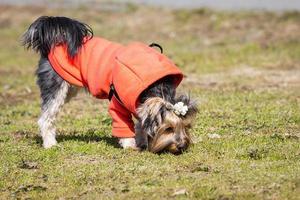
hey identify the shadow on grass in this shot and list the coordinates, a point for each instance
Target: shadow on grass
(82, 138)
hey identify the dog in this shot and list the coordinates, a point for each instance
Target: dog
(137, 79)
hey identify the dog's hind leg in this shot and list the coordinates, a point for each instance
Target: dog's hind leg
(54, 91)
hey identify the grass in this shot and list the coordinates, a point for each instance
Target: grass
(244, 69)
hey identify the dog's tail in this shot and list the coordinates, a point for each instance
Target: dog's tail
(46, 32)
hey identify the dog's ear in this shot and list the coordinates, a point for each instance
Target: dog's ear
(150, 115)
(191, 104)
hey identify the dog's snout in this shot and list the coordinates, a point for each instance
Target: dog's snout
(143, 147)
(182, 146)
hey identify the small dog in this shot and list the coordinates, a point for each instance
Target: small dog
(137, 79)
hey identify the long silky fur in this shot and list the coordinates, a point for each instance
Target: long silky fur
(165, 90)
(45, 32)
(154, 112)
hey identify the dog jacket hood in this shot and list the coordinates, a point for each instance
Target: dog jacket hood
(131, 69)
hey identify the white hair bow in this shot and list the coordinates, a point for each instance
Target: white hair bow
(180, 109)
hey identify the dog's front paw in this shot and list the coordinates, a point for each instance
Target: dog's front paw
(49, 142)
(128, 143)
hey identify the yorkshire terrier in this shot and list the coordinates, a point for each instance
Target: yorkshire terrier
(138, 80)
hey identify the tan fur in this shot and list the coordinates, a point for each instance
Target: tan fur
(160, 129)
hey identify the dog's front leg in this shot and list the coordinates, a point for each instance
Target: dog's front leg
(141, 137)
(127, 143)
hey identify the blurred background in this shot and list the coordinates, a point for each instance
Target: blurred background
(274, 5)
(241, 60)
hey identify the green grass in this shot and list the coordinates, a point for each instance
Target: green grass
(244, 69)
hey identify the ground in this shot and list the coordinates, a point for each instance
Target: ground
(242, 67)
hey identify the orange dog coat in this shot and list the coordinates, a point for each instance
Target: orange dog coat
(131, 69)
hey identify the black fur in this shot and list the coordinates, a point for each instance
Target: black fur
(48, 81)
(45, 32)
(163, 88)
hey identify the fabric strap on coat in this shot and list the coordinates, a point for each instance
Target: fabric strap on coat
(112, 93)
(157, 45)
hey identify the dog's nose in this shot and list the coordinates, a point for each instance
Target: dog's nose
(181, 147)
(144, 147)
